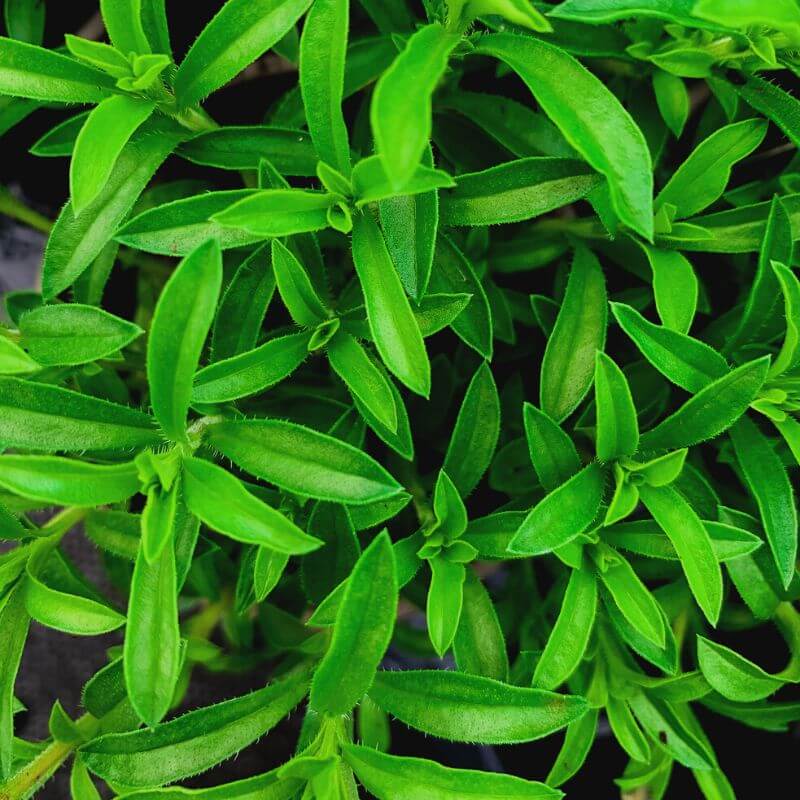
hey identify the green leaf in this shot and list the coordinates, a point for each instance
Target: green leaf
(445, 598)
(630, 595)
(101, 139)
(766, 478)
(672, 99)
(158, 520)
(195, 741)
(569, 638)
(46, 419)
(687, 362)
(573, 753)
(14, 621)
(552, 452)
(152, 650)
(516, 191)
(221, 502)
(302, 460)
(468, 708)
(788, 356)
(711, 411)
(251, 372)
(733, 676)
(371, 183)
(268, 213)
(240, 32)
(474, 437)
(76, 241)
(591, 118)
(14, 360)
(181, 322)
(395, 777)
(400, 112)
(562, 515)
(80, 784)
(123, 22)
(774, 103)
(40, 74)
(674, 286)
(391, 321)
(366, 382)
(568, 364)
(323, 48)
(72, 333)
(692, 544)
(479, 646)
(25, 20)
(626, 731)
(617, 426)
(295, 287)
(66, 481)
(702, 177)
(362, 631)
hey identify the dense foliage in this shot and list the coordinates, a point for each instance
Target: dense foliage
(492, 323)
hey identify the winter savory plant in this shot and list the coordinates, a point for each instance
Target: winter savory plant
(419, 365)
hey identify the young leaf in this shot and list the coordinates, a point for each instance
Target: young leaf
(241, 31)
(553, 454)
(395, 777)
(617, 426)
(297, 292)
(788, 356)
(474, 437)
(591, 118)
(362, 631)
(562, 515)
(220, 500)
(72, 333)
(400, 112)
(392, 324)
(468, 708)
(674, 287)
(733, 676)
(580, 330)
(302, 460)
(445, 598)
(181, 322)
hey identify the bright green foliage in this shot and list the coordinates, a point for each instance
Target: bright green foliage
(459, 390)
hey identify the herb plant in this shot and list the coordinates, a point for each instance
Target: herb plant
(492, 322)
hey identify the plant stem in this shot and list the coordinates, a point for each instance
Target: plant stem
(33, 775)
(11, 207)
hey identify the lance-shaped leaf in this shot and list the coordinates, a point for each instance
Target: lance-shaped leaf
(479, 646)
(516, 191)
(630, 595)
(562, 515)
(391, 321)
(295, 287)
(400, 112)
(240, 32)
(106, 131)
(687, 362)
(175, 228)
(123, 21)
(591, 118)
(577, 743)
(304, 461)
(703, 176)
(789, 353)
(617, 426)
(220, 500)
(372, 184)
(468, 708)
(580, 330)
(277, 212)
(445, 599)
(45, 419)
(251, 372)
(569, 638)
(474, 437)
(711, 411)
(152, 649)
(766, 478)
(72, 333)
(366, 382)
(674, 287)
(395, 777)
(732, 675)
(76, 241)
(692, 544)
(181, 322)
(14, 360)
(14, 622)
(195, 741)
(361, 633)
(66, 481)
(40, 74)
(323, 48)
(552, 452)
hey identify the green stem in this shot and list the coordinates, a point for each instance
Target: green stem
(11, 207)
(33, 775)
(63, 521)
